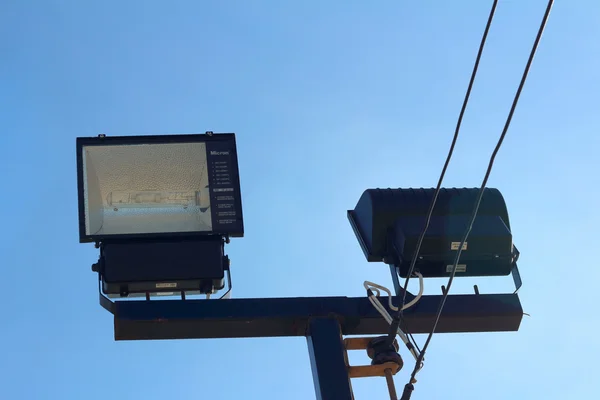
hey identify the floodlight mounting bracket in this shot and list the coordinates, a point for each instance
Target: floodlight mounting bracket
(516, 278)
(109, 305)
(515, 271)
(395, 272)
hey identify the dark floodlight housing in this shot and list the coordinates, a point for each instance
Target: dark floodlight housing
(160, 209)
(388, 223)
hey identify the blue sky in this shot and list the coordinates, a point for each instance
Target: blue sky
(328, 98)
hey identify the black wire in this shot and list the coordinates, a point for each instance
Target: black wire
(485, 179)
(396, 322)
(414, 342)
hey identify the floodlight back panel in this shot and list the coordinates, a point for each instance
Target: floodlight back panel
(162, 266)
(191, 181)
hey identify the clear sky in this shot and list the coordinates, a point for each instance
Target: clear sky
(328, 98)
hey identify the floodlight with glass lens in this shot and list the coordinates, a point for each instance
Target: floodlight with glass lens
(388, 223)
(159, 207)
(158, 185)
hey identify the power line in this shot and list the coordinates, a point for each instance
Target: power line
(408, 387)
(398, 317)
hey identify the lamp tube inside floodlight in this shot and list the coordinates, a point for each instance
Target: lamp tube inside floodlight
(148, 199)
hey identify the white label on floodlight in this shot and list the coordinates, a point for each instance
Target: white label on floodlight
(454, 246)
(459, 268)
(166, 285)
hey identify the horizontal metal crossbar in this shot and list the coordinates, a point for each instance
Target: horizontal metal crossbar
(270, 317)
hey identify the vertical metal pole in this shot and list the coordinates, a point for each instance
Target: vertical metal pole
(328, 360)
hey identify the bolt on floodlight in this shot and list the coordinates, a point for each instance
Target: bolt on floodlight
(388, 223)
(160, 209)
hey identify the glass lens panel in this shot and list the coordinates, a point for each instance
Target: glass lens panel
(155, 188)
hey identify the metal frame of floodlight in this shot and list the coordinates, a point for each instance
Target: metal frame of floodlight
(207, 137)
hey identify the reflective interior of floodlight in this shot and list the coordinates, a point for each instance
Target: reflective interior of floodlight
(151, 188)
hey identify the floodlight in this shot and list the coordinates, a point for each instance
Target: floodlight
(159, 208)
(388, 223)
(158, 185)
